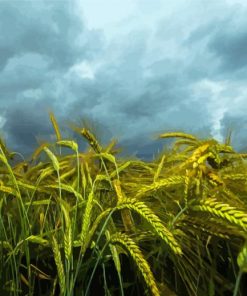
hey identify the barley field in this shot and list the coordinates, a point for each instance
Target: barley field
(93, 223)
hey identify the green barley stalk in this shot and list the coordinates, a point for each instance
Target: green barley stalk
(25, 224)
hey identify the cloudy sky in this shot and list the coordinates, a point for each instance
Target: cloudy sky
(133, 68)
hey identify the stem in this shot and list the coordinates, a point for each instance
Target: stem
(237, 283)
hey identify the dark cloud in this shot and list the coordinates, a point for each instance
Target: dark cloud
(230, 45)
(225, 38)
(39, 42)
(156, 73)
(26, 122)
(50, 29)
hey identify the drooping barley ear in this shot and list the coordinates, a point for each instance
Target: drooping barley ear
(53, 158)
(164, 183)
(178, 135)
(70, 144)
(91, 139)
(198, 156)
(125, 213)
(201, 150)
(127, 243)
(37, 239)
(224, 211)
(59, 265)
(144, 211)
(55, 126)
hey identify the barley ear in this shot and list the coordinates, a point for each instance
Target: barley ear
(127, 243)
(53, 158)
(125, 213)
(59, 264)
(68, 230)
(144, 211)
(87, 216)
(178, 135)
(55, 126)
(224, 211)
(91, 139)
(242, 258)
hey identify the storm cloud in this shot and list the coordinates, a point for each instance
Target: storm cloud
(133, 68)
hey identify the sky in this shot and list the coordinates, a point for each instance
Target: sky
(132, 69)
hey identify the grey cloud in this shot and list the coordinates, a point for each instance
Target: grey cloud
(25, 123)
(231, 48)
(225, 38)
(39, 42)
(23, 72)
(238, 126)
(137, 87)
(51, 30)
